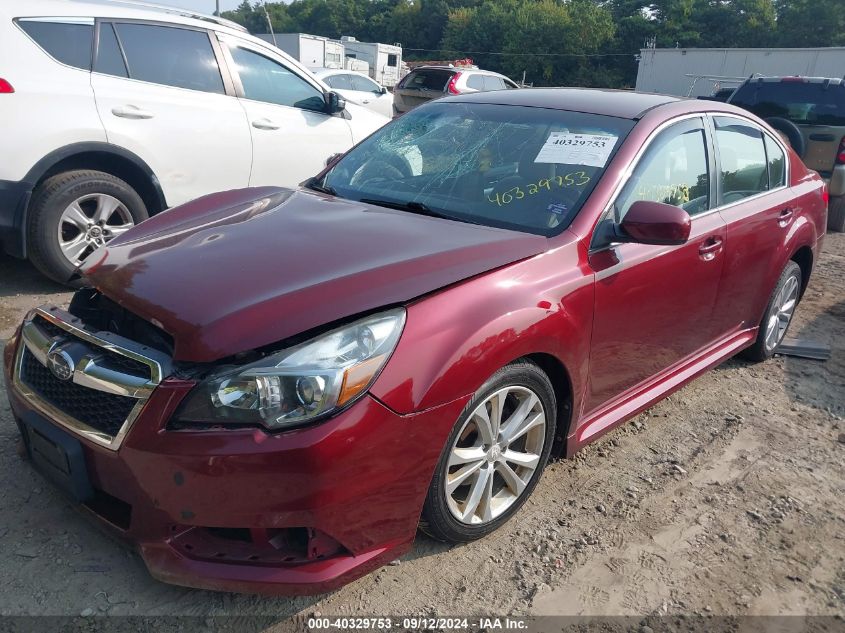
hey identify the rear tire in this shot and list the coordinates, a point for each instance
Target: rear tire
(778, 315)
(836, 214)
(526, 395)
(49, 249)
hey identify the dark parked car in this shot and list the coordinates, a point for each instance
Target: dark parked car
(269, 390)
(810, 113)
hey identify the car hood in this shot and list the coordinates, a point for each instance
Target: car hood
(243, 269)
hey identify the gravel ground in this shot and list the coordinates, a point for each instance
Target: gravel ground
(725, 499)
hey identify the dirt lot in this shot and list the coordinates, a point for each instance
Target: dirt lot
(726, 498)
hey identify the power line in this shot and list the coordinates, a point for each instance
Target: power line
(461, 52)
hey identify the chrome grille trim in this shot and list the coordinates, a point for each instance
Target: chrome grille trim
(94, 371)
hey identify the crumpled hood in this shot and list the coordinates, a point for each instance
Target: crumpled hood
(238, 270)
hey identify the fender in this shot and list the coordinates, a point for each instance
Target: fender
(43, 166)
(455, 339)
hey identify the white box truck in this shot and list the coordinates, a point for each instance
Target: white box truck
(313, 51)
(385, 60)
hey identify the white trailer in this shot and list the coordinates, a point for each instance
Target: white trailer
(385, 60)
(699, 71)
(311, 50)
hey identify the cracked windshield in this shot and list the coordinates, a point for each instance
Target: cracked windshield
(523, 168)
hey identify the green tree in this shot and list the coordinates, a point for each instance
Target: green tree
(811, 22)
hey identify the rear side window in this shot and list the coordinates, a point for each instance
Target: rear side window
(777, 163)
(176, 57)
(476, 82)
(109, 57)
(743, 168)
(804, 103)
(66, 42)
(266, 80)
(427, 80)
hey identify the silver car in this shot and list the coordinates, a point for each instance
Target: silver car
(432, 82)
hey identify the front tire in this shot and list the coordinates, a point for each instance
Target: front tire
(778, 315)
(75, 212)
(494, 456)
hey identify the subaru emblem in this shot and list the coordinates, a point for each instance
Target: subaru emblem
(60, 364)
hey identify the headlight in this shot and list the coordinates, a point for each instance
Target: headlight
(301, 383)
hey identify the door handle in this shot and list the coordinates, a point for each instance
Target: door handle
(130, 111)
(710, 248)
(785, 216)
(824, 138)
(264, 124)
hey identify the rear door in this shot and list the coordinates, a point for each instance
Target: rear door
(161, 95)
(758, 206)
(292, 135)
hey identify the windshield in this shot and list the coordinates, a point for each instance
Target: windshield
(516, 167)
(805, 103)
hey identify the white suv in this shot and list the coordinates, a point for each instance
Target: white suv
(114, 111)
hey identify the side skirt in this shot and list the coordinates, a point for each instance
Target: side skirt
(641, 397)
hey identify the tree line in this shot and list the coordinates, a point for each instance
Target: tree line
(555, 42)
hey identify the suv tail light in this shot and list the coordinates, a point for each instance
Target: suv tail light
(452, 87)
(840, 153)
(5, 87)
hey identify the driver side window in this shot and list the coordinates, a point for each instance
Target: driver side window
(674, 170)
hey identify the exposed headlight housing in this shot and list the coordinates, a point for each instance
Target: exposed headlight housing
(299, 384)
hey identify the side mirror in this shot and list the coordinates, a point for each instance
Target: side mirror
(655, 223)
(331, 160)
(334, 103)
(383, 90)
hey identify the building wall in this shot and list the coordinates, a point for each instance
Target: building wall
(664, 70)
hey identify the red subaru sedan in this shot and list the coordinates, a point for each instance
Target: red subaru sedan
(270, 390)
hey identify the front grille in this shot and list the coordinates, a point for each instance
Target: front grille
(113, 360)
(101, 411)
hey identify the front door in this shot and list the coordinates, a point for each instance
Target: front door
(653, 304)
(292, 135)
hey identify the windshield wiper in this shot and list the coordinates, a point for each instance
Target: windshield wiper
(313, 185)
(415, 207)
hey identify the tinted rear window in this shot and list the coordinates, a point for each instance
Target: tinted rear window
(67, 43)
(803, 103)
(182, 58)
(427, 80)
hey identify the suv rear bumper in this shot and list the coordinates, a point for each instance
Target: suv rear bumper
(14, 197)
(836, 183)
(353, 485)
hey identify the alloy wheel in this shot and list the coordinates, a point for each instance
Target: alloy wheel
(495, 455)
(90, 222)
(781, 313)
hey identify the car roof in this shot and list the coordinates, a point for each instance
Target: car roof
(127, 9)
(619, 103)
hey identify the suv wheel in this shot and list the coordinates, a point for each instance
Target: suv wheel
(836, 214)
(74, 213)
(493, 457)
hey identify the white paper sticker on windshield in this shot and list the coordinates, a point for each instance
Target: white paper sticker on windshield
(590, 150)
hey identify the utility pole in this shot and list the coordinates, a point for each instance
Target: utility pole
(269, 23)
(217, 10)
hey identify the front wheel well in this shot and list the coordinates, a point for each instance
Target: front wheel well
(804, 258)
(559, 377)
(128, 171)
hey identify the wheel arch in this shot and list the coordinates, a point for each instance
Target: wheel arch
(803, 256)
(103, 157)
(561, 381)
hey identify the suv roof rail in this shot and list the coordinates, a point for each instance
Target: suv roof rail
(187, 13)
